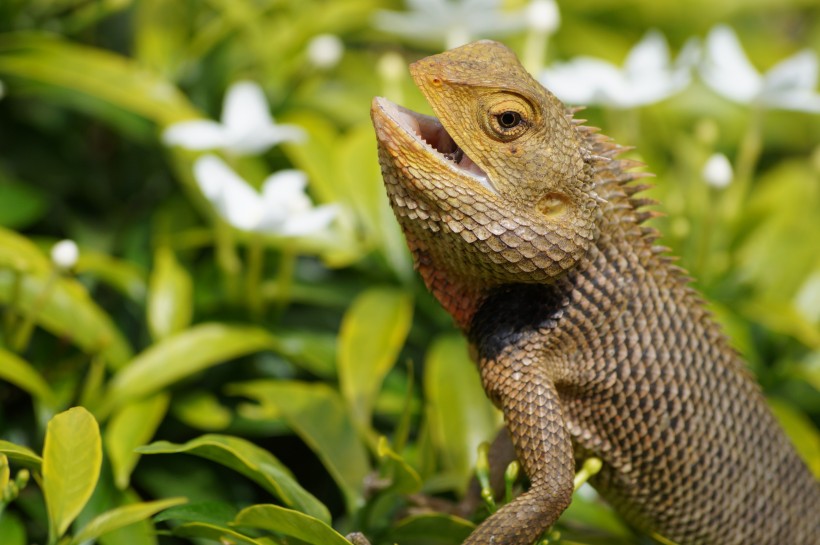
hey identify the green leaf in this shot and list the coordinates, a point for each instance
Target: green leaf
(162, 41)
(212, 512)
(72, 456)
(83, 16)
(781, 316)
(20, 373)
(19, 253)
(67, 312)
(801, 431)
(290, 523)
(12, 529)
(255, 463)
(432, 529)
(372, 333)
(132, 426)
(123, 516)
(180, 356)
(782, 188)
(5, 474)
(121, 275)
(809, 370)
(403, 478)
(20, 454)
(92, 72)
(586, 512)
(318, 415)
(141, 532)
(170, 293)
(202, 410)
(314, 351)
(20, 204)
(214, 532)
(460, 415)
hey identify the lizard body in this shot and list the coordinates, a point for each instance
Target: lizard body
(525, 226)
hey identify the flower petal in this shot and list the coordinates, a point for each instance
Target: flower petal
(650, 74)
(245, 108)
(651, 54)
(543, 16)
(796, 72)
(284, 184)
(262, 138)
(688, 57)
(718, 171)
(647, 73)
(325, 50)
(727, 70)
(311, 221)
(583, 80)
(454, 21)
(64, 254)
(800, 100)
(232, 197)
(283, 194)
(198, 134)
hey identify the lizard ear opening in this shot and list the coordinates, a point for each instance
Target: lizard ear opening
(553, 205)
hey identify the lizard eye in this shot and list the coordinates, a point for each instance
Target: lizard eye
(508, 119)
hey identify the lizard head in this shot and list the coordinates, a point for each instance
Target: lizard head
(496, 188)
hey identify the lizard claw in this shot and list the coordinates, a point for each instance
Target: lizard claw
(357, 538)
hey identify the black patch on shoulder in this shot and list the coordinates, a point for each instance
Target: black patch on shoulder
(514, 312)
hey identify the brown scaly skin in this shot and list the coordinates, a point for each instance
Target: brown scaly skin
(586, 336)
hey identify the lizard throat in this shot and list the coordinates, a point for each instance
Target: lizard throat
(429, 132)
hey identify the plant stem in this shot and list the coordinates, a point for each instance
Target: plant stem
(590, 467)
(22, 336)
(10, 317)
(226, 258)
(256, 263)
(535, 50)
(745, 164)
(284, 277)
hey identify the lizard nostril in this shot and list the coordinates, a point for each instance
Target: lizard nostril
(553, 205)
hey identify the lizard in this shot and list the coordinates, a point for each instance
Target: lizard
(527, 226)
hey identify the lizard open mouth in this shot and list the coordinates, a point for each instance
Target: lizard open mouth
(428, 131)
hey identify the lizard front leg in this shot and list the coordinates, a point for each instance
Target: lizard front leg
(519, 385)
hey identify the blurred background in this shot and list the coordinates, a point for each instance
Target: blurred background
(195, 246)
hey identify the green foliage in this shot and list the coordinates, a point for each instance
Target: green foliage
(72, 456)
(255, 463)
(180, 350)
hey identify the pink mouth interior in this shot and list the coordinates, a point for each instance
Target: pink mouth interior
(430, 131)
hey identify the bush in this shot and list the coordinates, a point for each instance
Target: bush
(233, 356)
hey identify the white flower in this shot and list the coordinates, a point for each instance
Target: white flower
(391, 66)
(718, 171)
(246, 128)
(64, 254)
(325, 50)
(648, 75)
(453, 22)
(543, 16)
(282, 208)
(789, 85)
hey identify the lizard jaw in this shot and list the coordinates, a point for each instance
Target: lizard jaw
(429, 133)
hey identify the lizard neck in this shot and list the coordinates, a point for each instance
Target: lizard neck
(596, 301)
(460, 297)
